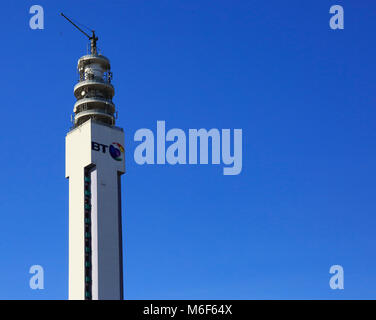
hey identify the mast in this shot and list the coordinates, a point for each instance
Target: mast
(93, 39)
(95, 161)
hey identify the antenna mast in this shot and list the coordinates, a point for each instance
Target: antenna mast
(93, 39)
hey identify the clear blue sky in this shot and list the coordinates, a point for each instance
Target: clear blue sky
(303, 94)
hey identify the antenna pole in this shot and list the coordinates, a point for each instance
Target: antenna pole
(93, 39)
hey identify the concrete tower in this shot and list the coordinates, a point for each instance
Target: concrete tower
(94, 165)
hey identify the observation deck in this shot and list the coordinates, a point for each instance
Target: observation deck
(94, 91)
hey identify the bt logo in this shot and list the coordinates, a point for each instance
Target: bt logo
(115, 149)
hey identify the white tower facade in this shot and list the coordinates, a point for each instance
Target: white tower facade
(95, 161)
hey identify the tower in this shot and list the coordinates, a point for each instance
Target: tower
(94, 164)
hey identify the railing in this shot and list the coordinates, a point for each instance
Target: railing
(93, 100)
(107, 77)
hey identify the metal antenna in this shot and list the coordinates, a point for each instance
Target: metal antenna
(93, 39)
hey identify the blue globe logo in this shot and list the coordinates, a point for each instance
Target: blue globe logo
(116, 150)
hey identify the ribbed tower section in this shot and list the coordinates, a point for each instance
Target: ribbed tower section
(94, 91)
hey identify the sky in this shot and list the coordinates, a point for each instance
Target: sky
(303, 95)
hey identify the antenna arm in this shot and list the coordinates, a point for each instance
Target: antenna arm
(75, 25)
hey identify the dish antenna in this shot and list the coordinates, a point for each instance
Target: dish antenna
(93, 39)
